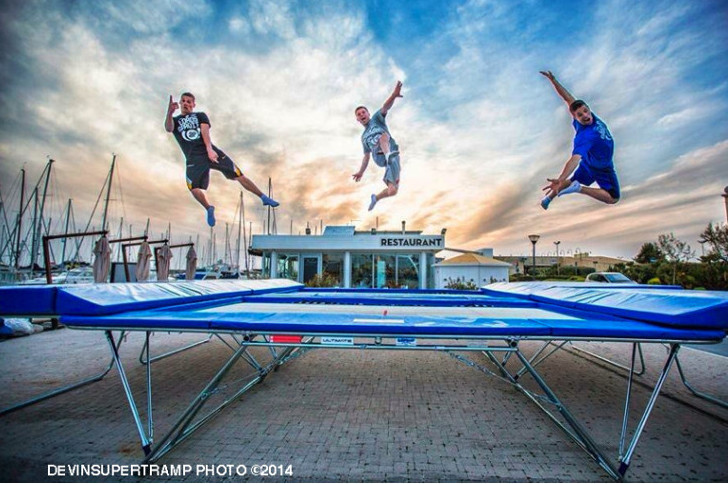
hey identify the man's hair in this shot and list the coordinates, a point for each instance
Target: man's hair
(188, 94)
(360, 107)
(576, 105)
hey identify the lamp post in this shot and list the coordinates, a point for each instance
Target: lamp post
(725, 198)
(557, 256)
(534, 238)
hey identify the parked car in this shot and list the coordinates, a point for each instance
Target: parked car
(609, 277)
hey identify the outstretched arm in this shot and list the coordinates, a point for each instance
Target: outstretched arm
(168, 121)
(555, 183)
(561, 90)
(364, 163)
(390, 100)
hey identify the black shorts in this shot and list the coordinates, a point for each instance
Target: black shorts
(198, 170)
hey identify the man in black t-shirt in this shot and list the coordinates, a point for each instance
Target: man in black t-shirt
(192, 132)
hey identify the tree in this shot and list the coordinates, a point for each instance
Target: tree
(649, 253)
(715, 262)
(675, 251)
(717, 237)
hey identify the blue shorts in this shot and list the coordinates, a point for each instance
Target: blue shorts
(606, 179)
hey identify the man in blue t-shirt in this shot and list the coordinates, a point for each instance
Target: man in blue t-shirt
(378, 143)
(592, 154)
(192, 132)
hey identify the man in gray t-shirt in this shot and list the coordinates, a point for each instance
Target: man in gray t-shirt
(378, 143)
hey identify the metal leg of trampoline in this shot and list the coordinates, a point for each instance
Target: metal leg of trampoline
(698, 393)
(625, 461)
(540, 360)
(150, 419)
(184, 427)
(628, 396)
(233, 348)
(614, 363)
(574, 430)
(146, 443)
(61, 390)
(170, 353)
(579, 433)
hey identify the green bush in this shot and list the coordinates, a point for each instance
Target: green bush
(461, 284)
(323, 280)
(654, 280)
(520, 277)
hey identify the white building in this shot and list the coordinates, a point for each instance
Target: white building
(374, 259)
(480, 269)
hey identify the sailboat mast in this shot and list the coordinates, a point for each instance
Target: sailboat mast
(240, 221)
(108, 192)
(270, 187)
(20, 218)
(65, 231)
(36, 245)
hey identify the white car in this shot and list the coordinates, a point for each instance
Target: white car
(609, 277)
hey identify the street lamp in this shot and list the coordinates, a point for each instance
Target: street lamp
(557, 256)
(534, 238)
(725, 198)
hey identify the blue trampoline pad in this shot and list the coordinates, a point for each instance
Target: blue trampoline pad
(476, 322)
(29, 300)
(665, 306)
(97, 299)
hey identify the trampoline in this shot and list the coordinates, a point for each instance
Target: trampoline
(290, 320)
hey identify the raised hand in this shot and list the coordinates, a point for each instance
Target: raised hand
(548, 74)
(173, 105)
(397, 89)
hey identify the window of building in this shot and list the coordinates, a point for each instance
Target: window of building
(332, 265)
(430, 262)
(385, 271)
(361, 270)
(288, 266)
(266, 264)
(408, 271)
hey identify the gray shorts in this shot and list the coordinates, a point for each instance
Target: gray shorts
(391, 174)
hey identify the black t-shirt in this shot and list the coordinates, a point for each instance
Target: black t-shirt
(188, 134)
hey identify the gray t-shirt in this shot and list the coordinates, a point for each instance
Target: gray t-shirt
(370, 137)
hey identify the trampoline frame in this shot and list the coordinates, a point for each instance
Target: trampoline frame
(186, 425)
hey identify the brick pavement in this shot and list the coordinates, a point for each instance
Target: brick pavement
(351, 415)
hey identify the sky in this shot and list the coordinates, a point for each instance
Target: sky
(479, 128)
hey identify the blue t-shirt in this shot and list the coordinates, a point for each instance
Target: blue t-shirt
(369, 139)
(595, 144)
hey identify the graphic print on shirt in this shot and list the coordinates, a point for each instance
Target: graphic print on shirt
(601, 128)
(371, 137)
(189, 127)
